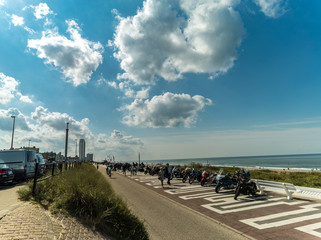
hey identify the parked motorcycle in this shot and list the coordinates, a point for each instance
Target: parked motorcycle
(225, 181)
(244, 184)
(195, 175)
(177, 173)
(208, 178)
(147, 170)
(186, 174)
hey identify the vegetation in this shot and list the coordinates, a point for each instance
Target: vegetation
(85, 193)
(304, 179)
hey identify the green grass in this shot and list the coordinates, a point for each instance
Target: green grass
(85, 193)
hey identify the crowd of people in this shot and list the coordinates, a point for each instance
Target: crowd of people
(163, 172)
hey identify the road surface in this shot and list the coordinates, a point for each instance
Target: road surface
(167, 219)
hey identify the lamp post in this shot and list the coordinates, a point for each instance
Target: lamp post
(66, 144)
(76, 148)
(14, 121)
(29, 143)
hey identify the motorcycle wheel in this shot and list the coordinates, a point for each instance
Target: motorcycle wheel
(184, 179)
(202, 183)
(191, 179)
(217, 189)
(237, 192)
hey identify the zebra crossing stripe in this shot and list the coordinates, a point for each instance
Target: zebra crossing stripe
(307, 212)
(313, 229)
(198, 195)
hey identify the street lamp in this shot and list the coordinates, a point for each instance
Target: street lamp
(14, 120)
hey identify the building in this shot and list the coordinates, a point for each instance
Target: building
(82, 150)
(29, 148)
(90, 157)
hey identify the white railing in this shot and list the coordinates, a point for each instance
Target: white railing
(288, 188)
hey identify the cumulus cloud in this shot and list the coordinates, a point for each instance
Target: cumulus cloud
(168, 110)
(6, 121)
(16, 20)
(41, 10)
(128, 140)
(23, 98)
(272, 8)
(9, 89)
(169, 38)
(77, 57)
(58, 121)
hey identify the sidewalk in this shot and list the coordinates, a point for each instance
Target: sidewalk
(31, 221)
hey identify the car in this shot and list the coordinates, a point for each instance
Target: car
(6, 175)
(42, 164)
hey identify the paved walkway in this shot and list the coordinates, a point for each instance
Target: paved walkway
(30, 221)
(261, 217)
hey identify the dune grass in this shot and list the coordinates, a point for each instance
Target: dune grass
(85, 193)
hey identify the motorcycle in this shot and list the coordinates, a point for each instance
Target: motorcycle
(177, 173)
(208, 178)
(147, 170)
(186, 174)
(108, 171)
(225, 181)
(195, 175)
(244, 184)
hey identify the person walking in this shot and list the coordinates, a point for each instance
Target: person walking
(161, 176)
(168, 172)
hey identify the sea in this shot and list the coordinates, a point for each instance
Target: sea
(299, 162)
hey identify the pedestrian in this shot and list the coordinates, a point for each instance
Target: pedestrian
(168, 172)
(161, 176)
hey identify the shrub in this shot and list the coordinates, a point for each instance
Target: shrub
(85, 193)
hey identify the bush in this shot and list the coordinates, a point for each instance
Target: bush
(85, 193)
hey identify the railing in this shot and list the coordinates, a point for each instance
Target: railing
(54, 166)
(288, 188)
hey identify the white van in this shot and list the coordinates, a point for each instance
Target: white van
(22, 162)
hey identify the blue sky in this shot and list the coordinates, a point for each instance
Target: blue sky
(169, 79)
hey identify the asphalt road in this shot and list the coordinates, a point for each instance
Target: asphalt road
(167, 219)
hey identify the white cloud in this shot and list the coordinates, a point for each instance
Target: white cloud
(23, 98)
(128, 140)
(29, 30)
(77, 57)
(168, 110)
(9, 89)
(2, 2)
(143, 94)
(272, 8)
(169, 38)
(16, 20)
(58, 121)
(42, 10)
(47, 130)
(6, 121)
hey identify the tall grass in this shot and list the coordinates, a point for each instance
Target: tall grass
(85, 193)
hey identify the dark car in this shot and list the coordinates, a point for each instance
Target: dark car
(6, 175)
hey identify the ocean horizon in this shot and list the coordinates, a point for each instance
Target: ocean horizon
(301, 162)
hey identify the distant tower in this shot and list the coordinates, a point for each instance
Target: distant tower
(82, 150)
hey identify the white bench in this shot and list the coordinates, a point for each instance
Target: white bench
(277, 186)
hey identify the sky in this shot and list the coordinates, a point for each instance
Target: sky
(167, 78)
